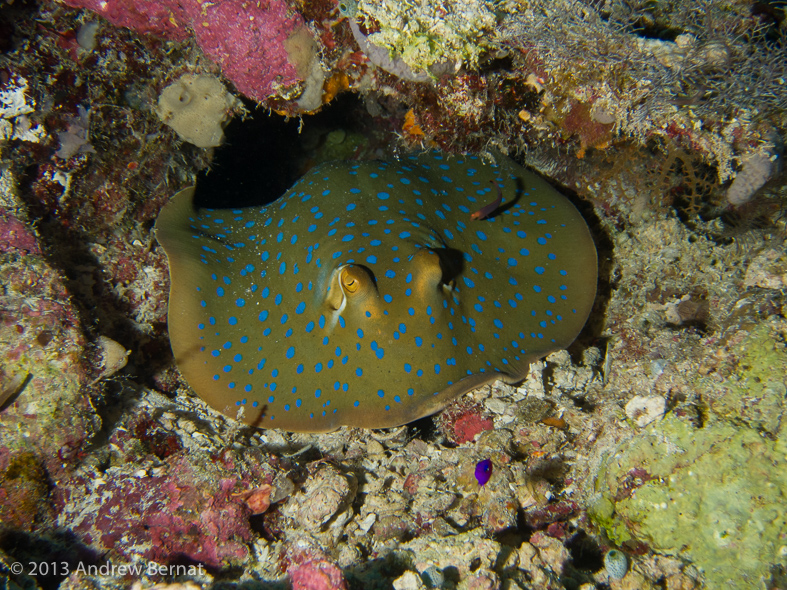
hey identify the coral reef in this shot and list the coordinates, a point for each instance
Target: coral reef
(246, 39)
(424, 37)
(698, 492)
(658, 435)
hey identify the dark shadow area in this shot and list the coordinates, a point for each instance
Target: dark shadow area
(586, 555)
(377, 574)
(264, 155)
(55, 556)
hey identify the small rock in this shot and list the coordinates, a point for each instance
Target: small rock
(768, 270)
(367, 522)
(552, 552)
(409, 581)
(644, 410)
(496, 406)
(373, 447)
(480, 580)
(327, 492)
(114, 357)
(259, 499)
(433, 576)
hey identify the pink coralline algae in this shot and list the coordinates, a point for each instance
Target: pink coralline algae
(246, 38)
(15, 237)
(462, 421)
(161, 517)
(309, 569)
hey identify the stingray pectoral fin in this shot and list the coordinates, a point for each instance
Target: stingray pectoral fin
(172, 225)
(454, 391)
(185, 245)
(174, 233)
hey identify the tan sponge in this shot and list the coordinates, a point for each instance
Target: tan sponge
(197, 107)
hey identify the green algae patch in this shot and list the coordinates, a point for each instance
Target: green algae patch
(715, 495)
(756, 393)
(423, 34)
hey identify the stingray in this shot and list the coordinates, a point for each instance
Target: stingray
(374, 293)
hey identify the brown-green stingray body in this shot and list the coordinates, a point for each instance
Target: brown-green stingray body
(367, 296)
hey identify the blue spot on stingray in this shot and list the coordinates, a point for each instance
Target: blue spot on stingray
(539, 270)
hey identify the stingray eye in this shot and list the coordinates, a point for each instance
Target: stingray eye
(352, 278)
(349, 282)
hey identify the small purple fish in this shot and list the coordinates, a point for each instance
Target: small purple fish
(483, 471)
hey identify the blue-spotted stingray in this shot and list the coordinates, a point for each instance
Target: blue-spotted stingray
(369, 294)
